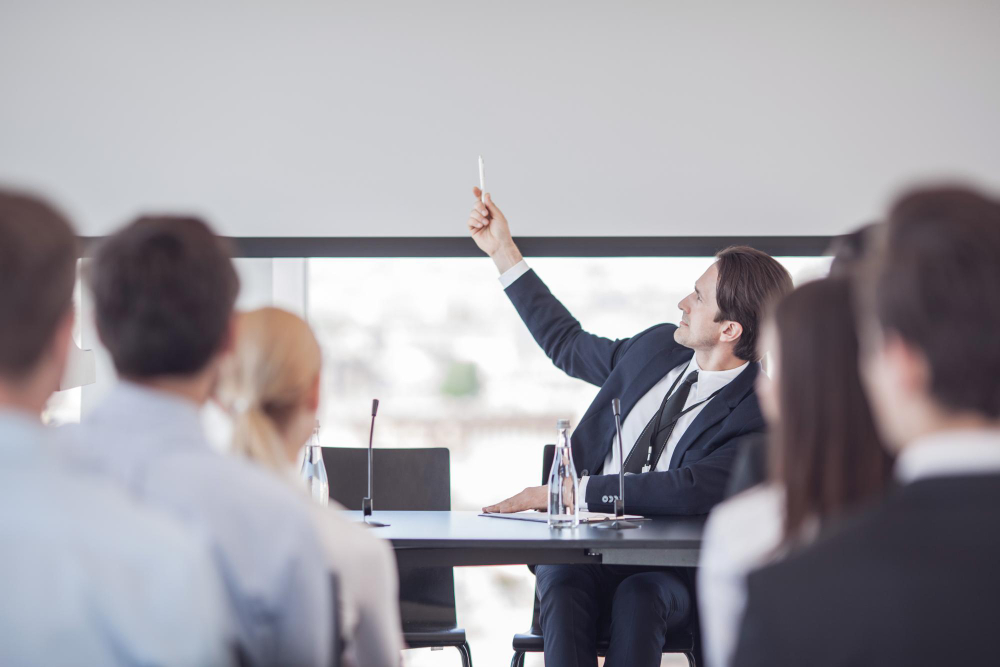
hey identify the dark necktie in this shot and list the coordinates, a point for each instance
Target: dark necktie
(669, 412)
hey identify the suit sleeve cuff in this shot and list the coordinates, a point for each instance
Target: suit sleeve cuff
(508, 277)
(583, 493)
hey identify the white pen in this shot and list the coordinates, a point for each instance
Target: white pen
(482, 180)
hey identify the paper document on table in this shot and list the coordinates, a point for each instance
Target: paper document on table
(543, 517)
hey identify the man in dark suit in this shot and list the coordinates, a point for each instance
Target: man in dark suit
(913, 581)
(688, 402)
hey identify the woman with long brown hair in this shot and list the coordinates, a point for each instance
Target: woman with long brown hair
(270, 385)
(825, 458)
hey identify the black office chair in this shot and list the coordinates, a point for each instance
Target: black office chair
(415, 480)
(686, 642)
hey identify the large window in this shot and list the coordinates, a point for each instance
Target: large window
(439, 344)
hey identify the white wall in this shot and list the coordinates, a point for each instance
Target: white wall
(313, 117)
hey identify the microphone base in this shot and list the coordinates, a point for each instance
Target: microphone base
(366, 512)
(617, 524)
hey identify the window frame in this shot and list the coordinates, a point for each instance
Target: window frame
(274, 247)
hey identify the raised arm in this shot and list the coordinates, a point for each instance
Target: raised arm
(576, 352)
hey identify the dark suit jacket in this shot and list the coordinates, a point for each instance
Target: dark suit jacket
(749, 466)
(915, 581)
(627, 369)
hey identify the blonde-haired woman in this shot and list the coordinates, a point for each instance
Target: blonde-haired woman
(270, 384)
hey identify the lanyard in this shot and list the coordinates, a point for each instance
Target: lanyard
(659, 416)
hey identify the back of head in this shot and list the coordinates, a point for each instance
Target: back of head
(826, 453)
(164, 289)
(749, 280)
(266, 381)
(849, 250)
(933, 282)
(38, 253)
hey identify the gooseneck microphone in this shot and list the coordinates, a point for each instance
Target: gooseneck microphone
(619, 522)
(366, 502)
(616, 408)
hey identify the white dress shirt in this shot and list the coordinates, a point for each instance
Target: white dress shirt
(950, 454)
(646, 407)
(262, 531)
(741, 535)
(90, 577)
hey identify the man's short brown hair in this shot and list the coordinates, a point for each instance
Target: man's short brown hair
(164, 290)
(749, 280)
(933, 280)
(38, 254)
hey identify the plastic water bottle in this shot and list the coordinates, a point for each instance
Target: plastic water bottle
(314, 470)
(563, 484)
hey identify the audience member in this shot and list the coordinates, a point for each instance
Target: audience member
(913, 581)
(88, 576)
(164, 290)
(750, 465)
(271, 386)
(825, 455)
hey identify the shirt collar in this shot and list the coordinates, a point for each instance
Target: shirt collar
(709, 381)
(131, 406)
(950, 454)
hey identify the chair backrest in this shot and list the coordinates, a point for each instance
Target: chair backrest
(402, 479)
(548, 454)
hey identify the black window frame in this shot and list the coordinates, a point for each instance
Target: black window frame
(530, 246)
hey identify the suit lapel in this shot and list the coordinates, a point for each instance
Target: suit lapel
(603, 426)
(716, 410)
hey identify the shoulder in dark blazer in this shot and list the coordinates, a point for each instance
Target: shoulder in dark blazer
(913, 581)
(627, 368)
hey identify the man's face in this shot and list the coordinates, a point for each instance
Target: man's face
(698, 329)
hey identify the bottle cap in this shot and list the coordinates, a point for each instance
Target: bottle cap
(562, 423)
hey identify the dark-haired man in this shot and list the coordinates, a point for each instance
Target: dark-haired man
(913, 581)
(164, 290)
(88, 576)
(688, 403)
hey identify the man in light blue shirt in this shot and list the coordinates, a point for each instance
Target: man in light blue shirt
(88, 577)
(164, 290)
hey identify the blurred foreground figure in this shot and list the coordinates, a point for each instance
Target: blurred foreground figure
(270, 385)
(164, 290)
(87, 576)
(914, 581)
(826, 457)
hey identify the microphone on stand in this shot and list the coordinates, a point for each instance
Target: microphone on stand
(366, 502)
(619, 522)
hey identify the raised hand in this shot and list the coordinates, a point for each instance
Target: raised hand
(488, 228)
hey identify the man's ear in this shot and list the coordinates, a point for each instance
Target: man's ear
(229, 337)
(731, 332)
(312, 396)
(907, 364)
(61, 340)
